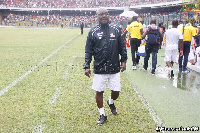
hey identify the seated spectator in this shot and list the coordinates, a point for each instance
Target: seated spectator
(198, 56)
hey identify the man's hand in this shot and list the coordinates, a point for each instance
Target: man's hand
(88, 72)
(123, 66)
(160, 43)
(181, 52)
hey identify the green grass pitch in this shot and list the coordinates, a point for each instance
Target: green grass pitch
(56, 96)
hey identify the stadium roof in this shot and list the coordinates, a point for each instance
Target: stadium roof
(159, 5)
(166, 4)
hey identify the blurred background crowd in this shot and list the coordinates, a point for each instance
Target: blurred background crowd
(76, 3)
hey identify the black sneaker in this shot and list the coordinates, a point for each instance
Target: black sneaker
(145, 69)
(112, 108)
(101, 120)
(153, 73)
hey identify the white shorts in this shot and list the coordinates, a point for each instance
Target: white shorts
(171, 55)
(100, 80)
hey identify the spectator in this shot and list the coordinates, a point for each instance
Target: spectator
(174, 38)
(162, 29)
(198, 55)
(82, 25)
(180, 24)
(152, 45)
(136, 31)
(188, 32)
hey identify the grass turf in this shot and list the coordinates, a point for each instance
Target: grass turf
(57, 96)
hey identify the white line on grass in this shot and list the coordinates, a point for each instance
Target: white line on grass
(55, 96)
(70, 66)
(33, 68)
(155, 117)
(40, 127)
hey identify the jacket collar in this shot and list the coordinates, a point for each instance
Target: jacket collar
(104, 25)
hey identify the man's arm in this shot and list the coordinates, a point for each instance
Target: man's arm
(124, 35)
(144, 35)
(88, 55)
(161, 38)
(181, 47)
(122, 52)
(141, 31)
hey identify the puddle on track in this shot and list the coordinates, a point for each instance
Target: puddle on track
(185, 81)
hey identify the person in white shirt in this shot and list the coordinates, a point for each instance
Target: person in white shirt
(191, 58)
(198, 56)
(180, 24)
(174, 37)
(144, 29)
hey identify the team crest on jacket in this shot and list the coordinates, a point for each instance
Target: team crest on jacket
(112, 36)
(100, 35)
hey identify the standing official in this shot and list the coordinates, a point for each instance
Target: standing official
(188, 32)
(136, 30)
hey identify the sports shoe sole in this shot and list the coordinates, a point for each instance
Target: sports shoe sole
(98, 122)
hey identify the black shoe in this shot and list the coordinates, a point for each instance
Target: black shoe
(101, 120)
(112, 108)
(144, 68)
(153, 73)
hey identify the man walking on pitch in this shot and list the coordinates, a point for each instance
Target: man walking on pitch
(153, 32)
(188, 32)
(105, 43)
(136, 30)
(174, 37)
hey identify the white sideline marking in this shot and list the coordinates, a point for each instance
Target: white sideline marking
(70, 66)
(33, 68)
(55, 96)
(155, 117)
(66, 73)
(38, 129)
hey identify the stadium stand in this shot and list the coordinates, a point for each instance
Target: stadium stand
(53, 13)
(77, 3)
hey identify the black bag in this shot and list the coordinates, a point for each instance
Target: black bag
(153, 36)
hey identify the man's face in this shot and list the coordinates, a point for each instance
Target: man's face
(103, 17)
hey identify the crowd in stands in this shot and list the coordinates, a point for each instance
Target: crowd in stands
(54, 20)
(75, 3)
(69, 19)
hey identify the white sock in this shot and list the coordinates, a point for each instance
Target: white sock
(111, 101)
(101, 111)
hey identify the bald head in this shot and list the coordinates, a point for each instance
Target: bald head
(101, 10)
(103, 16)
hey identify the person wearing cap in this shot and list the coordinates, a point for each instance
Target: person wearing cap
(136, 30)
(105, 43)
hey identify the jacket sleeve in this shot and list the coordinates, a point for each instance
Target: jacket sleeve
(122, 47)
(88, 51)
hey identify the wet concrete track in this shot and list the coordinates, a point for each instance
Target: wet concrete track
(175, 100)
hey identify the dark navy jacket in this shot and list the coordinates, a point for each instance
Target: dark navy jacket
(105, 43)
